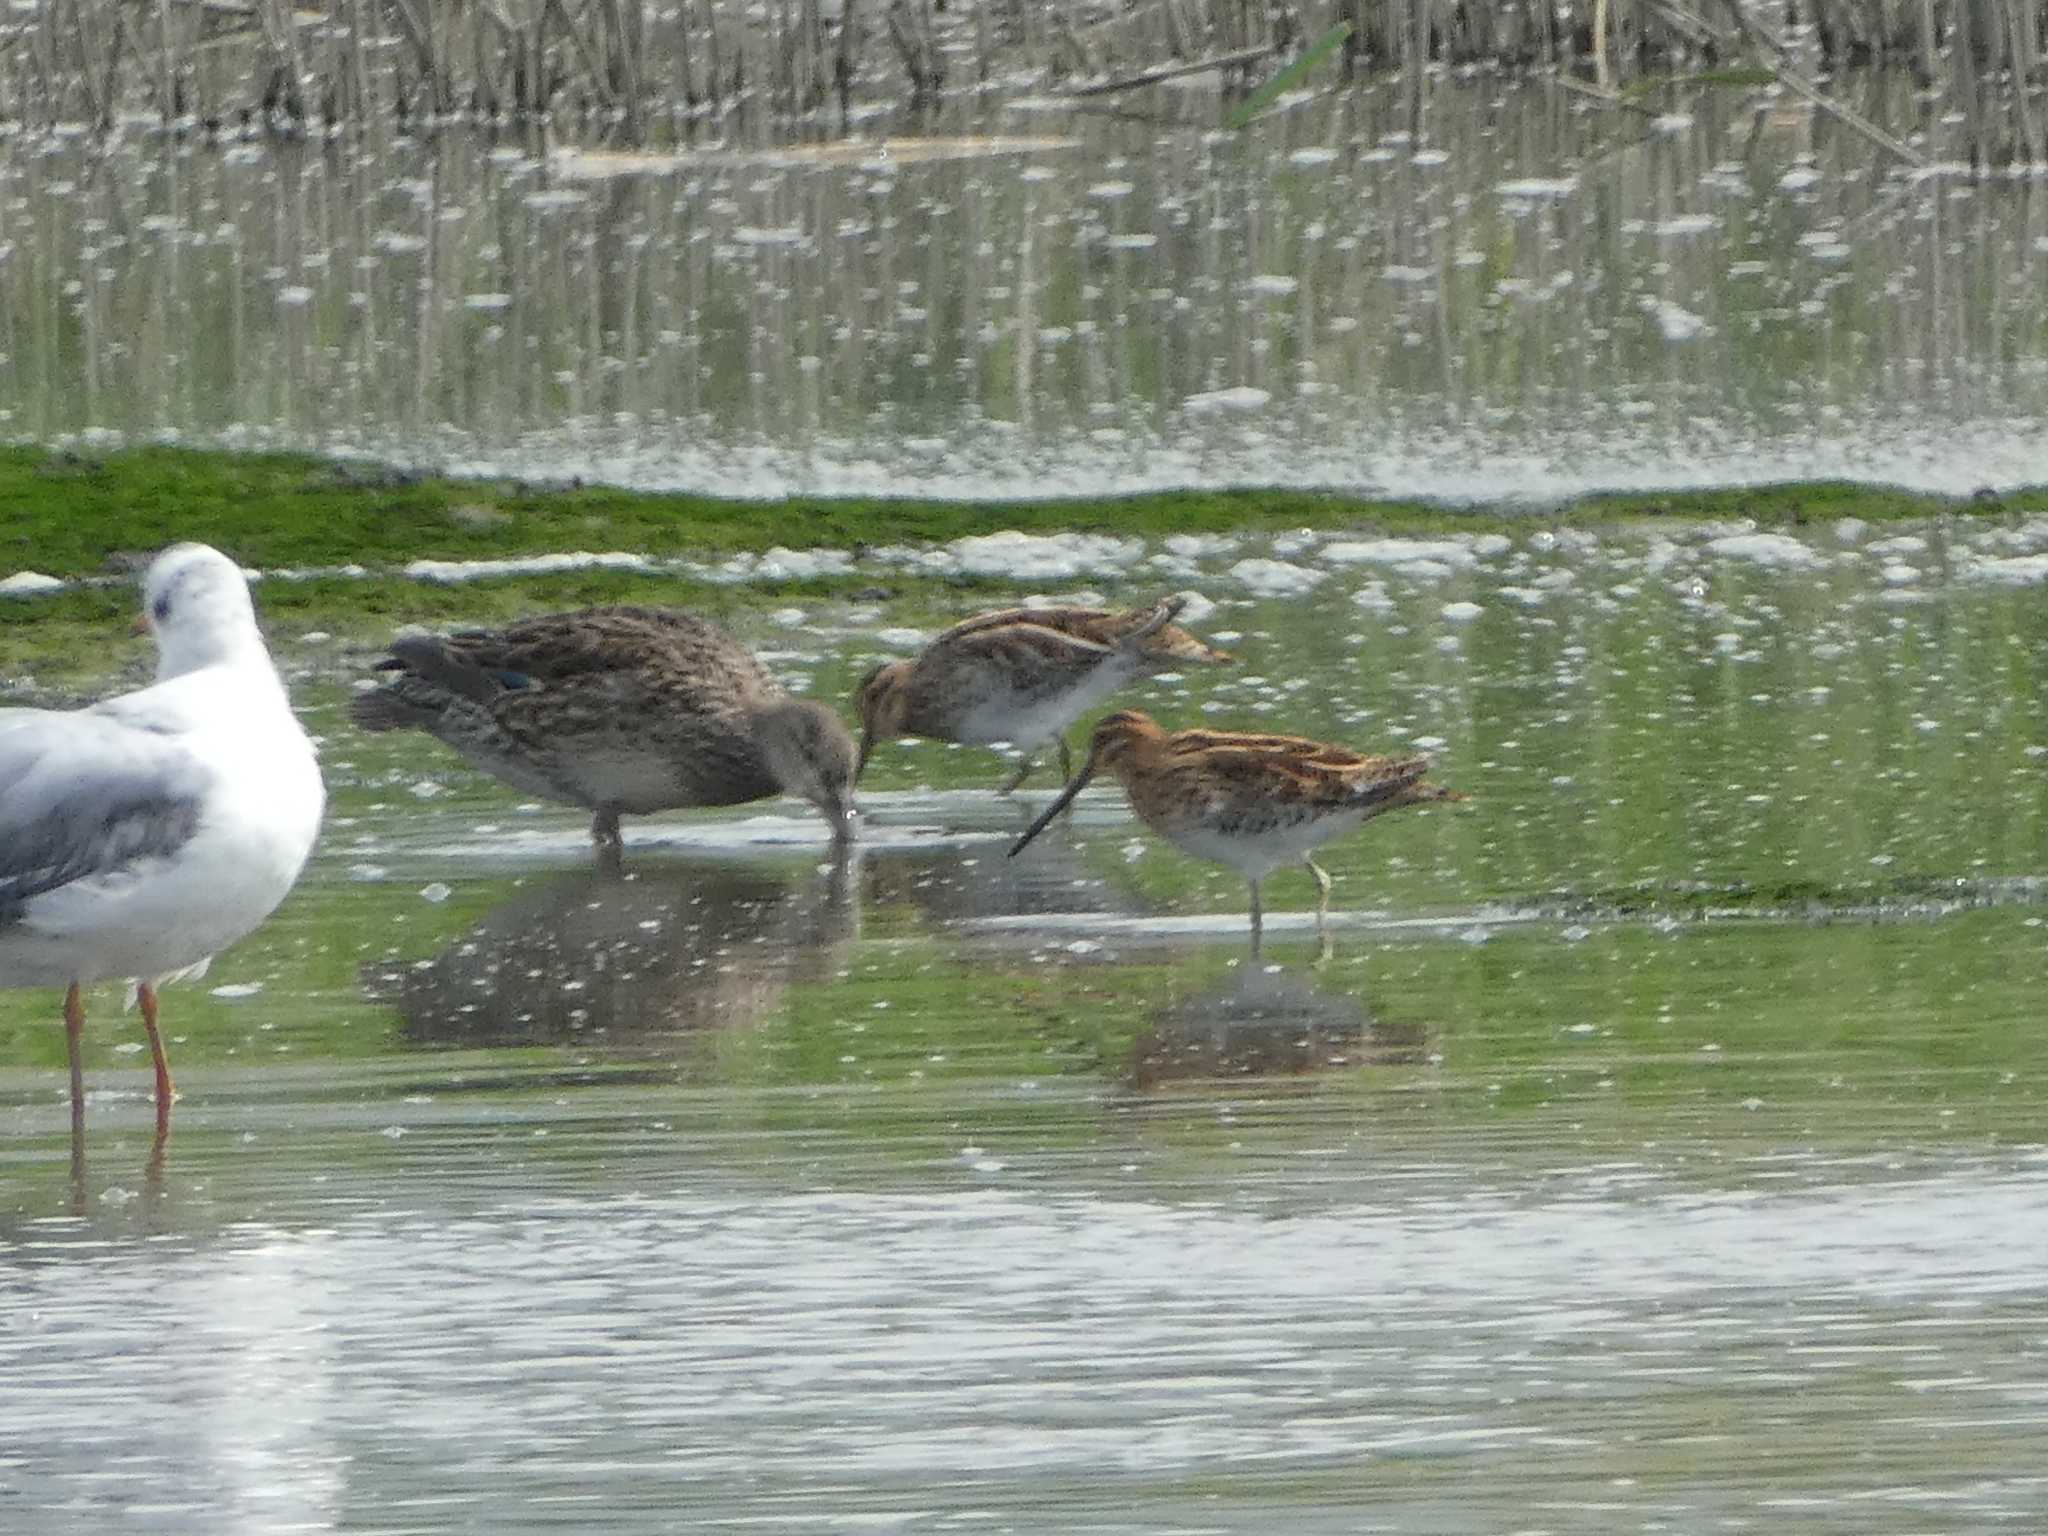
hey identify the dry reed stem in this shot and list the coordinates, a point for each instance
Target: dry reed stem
(95, 59)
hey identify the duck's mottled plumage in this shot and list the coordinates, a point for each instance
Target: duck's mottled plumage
(621, 710)
(1023, 675)
(1246, 799)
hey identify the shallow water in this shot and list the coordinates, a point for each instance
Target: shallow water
(1662, 1147)
(1539, 296)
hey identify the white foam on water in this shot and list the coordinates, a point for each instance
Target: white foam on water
(1257, 444)
(1276, 578)
(1447, 552)
(1244, 397)
(1195, 546)
(1773, 549)
(780, 564)
(2014, 571)
(451, 572)
(1674, 321)
(1042, 557)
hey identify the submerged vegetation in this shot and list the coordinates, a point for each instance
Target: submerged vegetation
(1543, 298)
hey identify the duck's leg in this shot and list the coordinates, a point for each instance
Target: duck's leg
(74, 1036)
(1023, 772)
(1322, 905)
(146, 996)
(609, 842)
(1258, 920)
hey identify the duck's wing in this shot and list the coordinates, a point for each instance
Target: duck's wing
(554, 647)
(83, 794)
(620, 652)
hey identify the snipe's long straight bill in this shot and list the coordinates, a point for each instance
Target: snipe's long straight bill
(1080, 782)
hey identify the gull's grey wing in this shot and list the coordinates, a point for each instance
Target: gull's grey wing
(84, 794)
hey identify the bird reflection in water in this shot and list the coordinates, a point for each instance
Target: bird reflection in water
(1267, 1022)
(948, 884)
(603, 956)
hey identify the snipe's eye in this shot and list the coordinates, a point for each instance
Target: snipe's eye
(161, 608)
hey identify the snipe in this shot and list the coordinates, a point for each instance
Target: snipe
(1253, 802)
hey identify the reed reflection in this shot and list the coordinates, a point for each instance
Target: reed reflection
(1542, 300)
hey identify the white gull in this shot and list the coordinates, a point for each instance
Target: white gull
(142, 834)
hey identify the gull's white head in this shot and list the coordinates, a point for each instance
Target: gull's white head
(195, 600)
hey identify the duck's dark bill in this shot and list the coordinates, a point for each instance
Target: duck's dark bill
(1079, 783)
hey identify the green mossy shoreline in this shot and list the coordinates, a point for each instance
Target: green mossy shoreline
(66, 515)
(76, 516)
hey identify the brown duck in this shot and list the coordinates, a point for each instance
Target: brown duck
(624, 711)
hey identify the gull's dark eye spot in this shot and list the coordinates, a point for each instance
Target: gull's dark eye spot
(162, 608)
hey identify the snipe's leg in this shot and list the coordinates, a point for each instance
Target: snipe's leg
(1258, 920)
(146, 996)
(1023, 772)
(74, 1035)
(608, 841)
(1322, 905)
